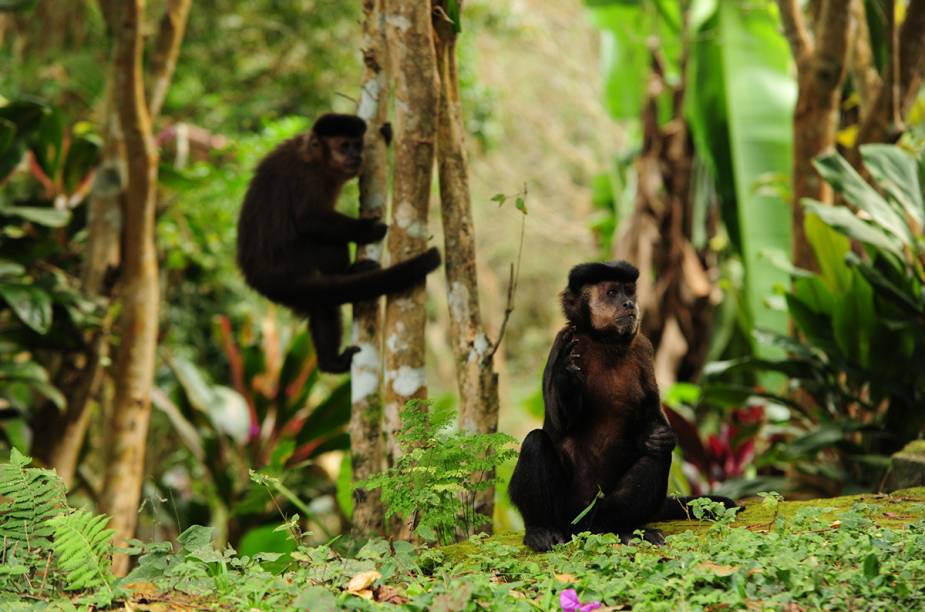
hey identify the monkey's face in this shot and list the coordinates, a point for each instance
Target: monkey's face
(612, 308)
(344, 155)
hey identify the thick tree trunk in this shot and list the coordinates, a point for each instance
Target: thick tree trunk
(365, 373)
(476, 379)
(413, 69)
(821, 68)
(134, 368)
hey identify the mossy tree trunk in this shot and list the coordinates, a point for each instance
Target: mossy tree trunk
(412, 71)
(366, 370)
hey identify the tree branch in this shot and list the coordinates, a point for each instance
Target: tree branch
(911, 54)
(166, 50)
(795, 29)
(864, 73)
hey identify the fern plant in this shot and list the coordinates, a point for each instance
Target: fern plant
(83, 549)
(28, 498)
(434, 481)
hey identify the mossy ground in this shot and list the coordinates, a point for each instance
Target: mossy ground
(894, 510)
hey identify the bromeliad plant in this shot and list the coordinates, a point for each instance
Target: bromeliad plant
(857, 379)
(272, 416)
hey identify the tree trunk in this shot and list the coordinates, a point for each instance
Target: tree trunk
(134, 368)
(62, 433)
(472, 350)
(821, 68)
(413, 69)
(365, 373)
(884, 123)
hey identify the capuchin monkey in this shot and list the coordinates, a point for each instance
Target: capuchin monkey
(604, 433)
(293, 245)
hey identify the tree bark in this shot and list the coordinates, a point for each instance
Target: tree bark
(365, 373)
(413, 69)
(134, 368)
(473, 352)
(821, 67)
(895, 96)
(63, 432)
(166, 51)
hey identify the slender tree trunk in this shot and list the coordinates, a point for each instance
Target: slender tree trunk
(472, 350)
(166, 51)
(365, 373)
(63, 432)
(821, 67)
(413, 69)
(134, 369)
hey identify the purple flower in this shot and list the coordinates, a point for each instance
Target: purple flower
(569, 601)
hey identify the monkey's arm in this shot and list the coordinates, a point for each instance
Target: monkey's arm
(335, 228)
(562, 385)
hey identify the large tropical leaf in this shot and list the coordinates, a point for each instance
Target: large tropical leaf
(740, 104)
(896, 171)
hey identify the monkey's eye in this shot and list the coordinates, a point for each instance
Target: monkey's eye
(631, 290)
(612, 292)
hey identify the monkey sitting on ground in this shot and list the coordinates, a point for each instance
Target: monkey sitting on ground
(293, 245)
(604, 438)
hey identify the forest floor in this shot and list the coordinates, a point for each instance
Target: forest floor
(847, 553)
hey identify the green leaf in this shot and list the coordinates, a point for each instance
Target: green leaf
(836, 170)
(331, 415)
(830, 248)
(846, 222)
(46, 142)
(740, 112)
(896, 171)
(520, 204)
(11, 268)
(83, 547)
(49, 217)
(871, 566)
(854, 320)
(16, 5)
(7, 132)
(625, 57)
(31, 305)
(82, 156)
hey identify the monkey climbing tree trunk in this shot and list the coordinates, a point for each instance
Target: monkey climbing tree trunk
(134, 367)
(413, 75)
(472, 350)
(821, 61)
(365, 373)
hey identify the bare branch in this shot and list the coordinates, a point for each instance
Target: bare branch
(864, 73)
(166, 50)
(795, 29)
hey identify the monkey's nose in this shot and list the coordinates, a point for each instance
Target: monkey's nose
(627, 304)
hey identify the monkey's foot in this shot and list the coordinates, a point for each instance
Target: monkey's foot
(542, 539)
(339, 364)
(652, 536)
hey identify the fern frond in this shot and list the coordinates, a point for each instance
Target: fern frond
(83, 548)
(28, 498)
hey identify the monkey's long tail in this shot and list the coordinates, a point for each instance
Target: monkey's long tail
(338, 289)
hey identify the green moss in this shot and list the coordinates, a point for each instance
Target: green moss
(916, 447)
(894, 510)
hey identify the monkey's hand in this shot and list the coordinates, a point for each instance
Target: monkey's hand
(371, 230)
(573, 359)
(661, 440)
(386, 131)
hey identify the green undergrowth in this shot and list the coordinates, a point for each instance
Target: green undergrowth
(861, 552)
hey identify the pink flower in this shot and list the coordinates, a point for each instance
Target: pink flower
(569, 601)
